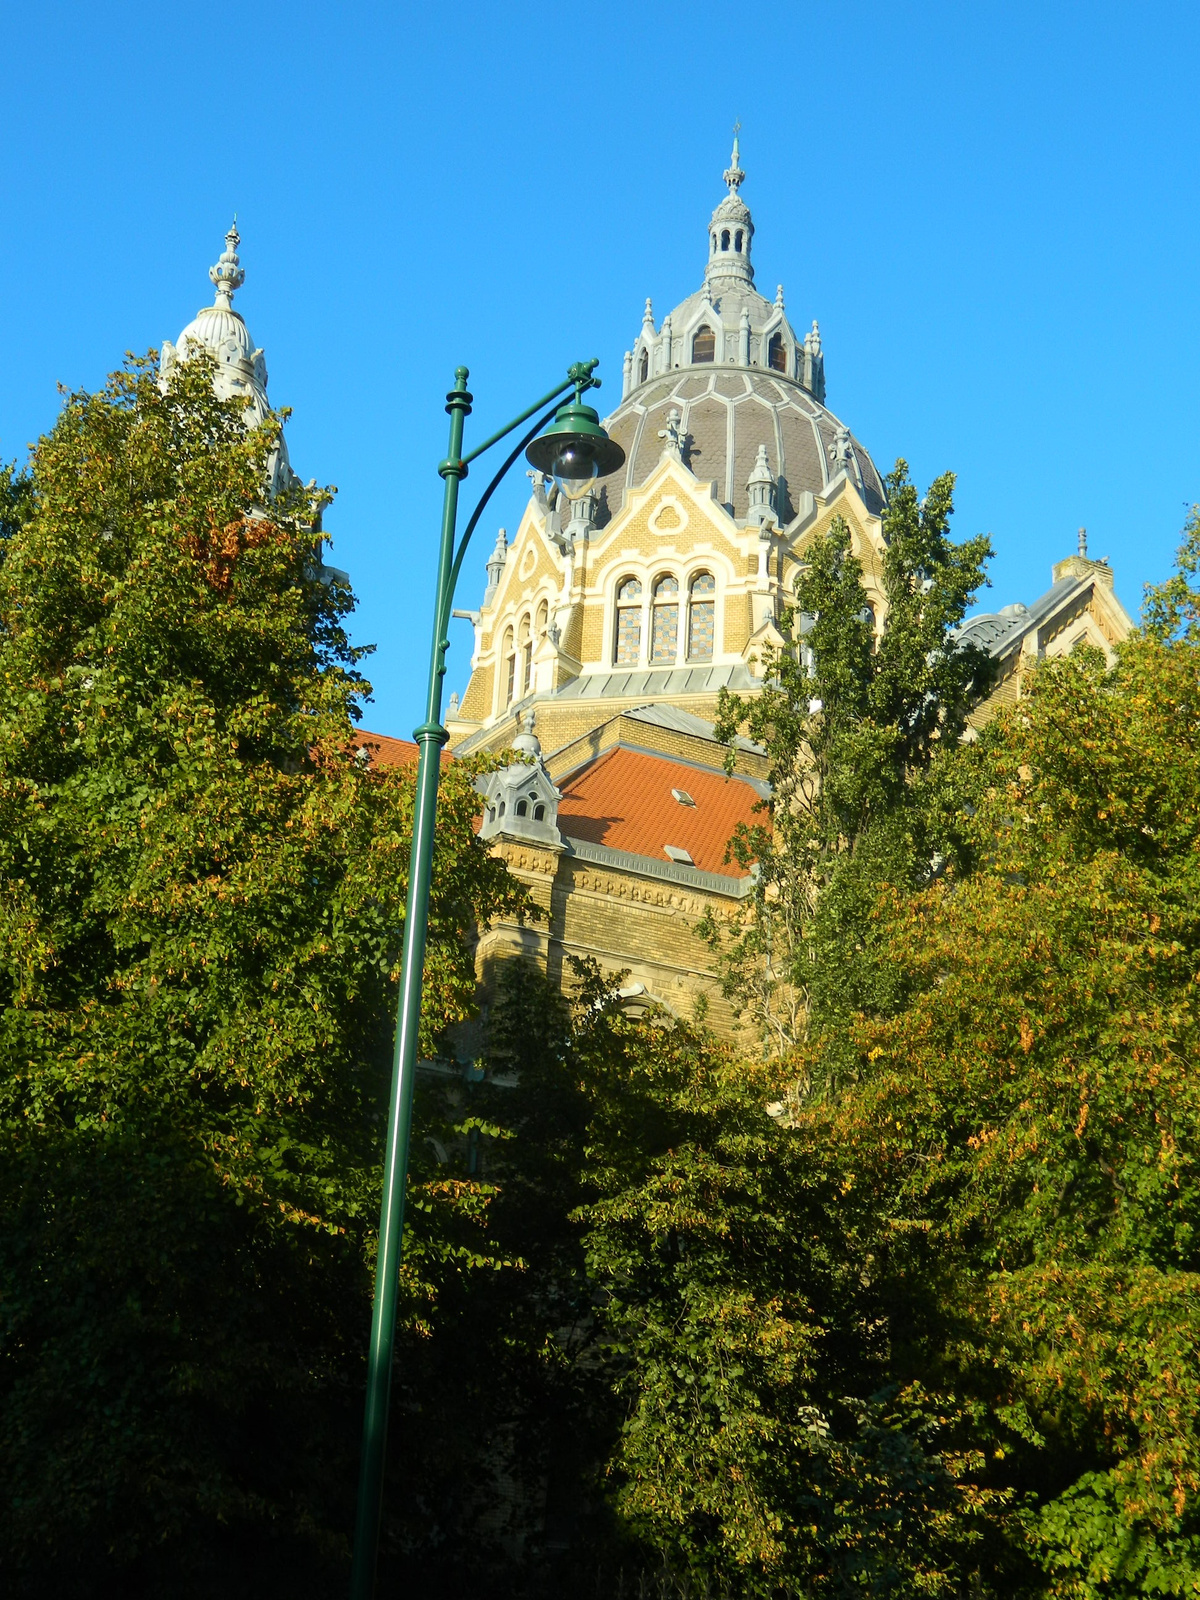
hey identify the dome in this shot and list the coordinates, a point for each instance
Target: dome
(726, 373)
(726, 413)
(241, 367)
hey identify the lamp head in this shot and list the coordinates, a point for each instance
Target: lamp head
(575, 450)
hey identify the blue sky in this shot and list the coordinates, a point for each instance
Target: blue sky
(991, 209)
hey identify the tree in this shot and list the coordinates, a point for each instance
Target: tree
(201, 908)
(851, 723)
(16, 503)
(693, 1360)
(1029, 1116)
(763, 1445)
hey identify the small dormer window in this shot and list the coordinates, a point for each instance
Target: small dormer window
(644, 367)
(704, 346)
(539, 813)
(777, 353)
(522, 808)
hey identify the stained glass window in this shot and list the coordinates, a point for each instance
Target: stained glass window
(526, 657)
(510, 656)
(702, 617)
(664, 644)
(629, 621)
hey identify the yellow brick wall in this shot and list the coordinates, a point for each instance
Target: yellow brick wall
(626, 730)
(605, 914)
(572, 639)
(1005, 692)
(737, 623)
(591, 633)
(477, 702)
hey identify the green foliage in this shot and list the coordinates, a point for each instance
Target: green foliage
(698, 1347)
(16, 503)
(201, 908)
(1029, 1118)
(851, 723)
(763, 1446)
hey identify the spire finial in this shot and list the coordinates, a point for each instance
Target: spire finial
(228, 274)
(735, 177)
(1083, 543)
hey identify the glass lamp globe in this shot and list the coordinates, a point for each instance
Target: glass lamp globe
(575, 450)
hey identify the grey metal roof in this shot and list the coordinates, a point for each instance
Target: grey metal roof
(658, 682)
(680, 721)
(998, 632)
(727, 412)
(601, 855)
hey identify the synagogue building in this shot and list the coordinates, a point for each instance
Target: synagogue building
(608, 624)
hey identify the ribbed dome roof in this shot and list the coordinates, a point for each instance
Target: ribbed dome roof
(727, 412)
(731, 364)
(221, 330)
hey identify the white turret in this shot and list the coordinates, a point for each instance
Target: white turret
(241, 366)
(726, 322)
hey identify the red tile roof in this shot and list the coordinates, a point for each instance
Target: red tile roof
(623, 800)
(388, 752)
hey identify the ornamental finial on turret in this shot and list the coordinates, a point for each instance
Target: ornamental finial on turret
(228, 274)
(735, 177)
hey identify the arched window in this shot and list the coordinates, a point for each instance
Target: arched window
(526, 656)
(737, 240)
(521, 808)
(702, 616)
(644, 367)
(543, 618)
(704, 345)
(629, 621)
(724, 238)
(664, 619)
(508, 665)
(539, 812)
(713, 245)
(777, 353)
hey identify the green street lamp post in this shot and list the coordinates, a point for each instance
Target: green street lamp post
(574, 450)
